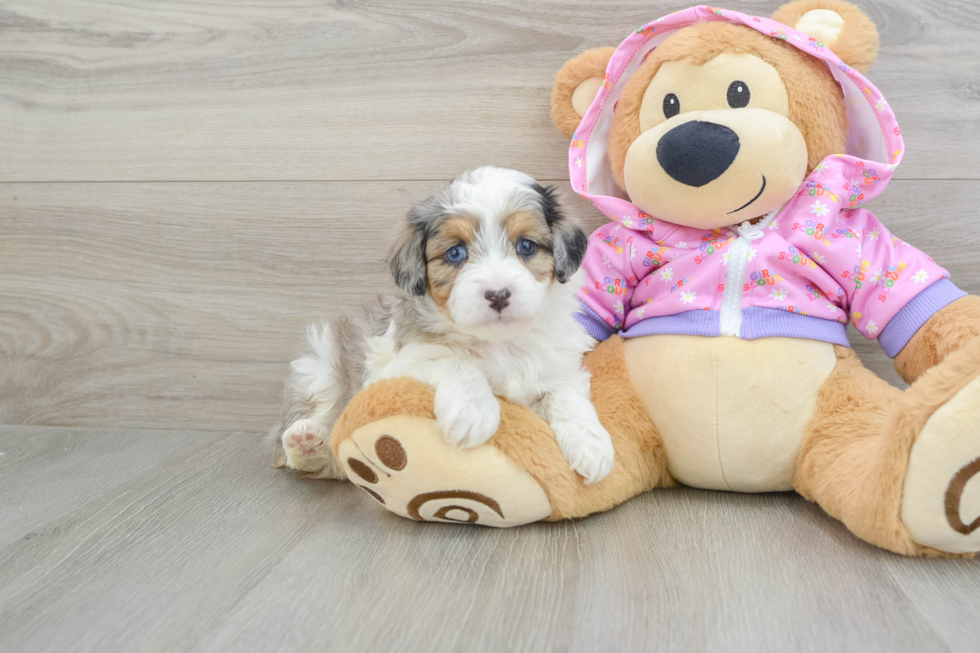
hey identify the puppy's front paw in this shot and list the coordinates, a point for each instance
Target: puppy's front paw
(587, 448)
(467, 416)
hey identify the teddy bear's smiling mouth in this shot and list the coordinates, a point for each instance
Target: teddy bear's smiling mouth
(757, 195)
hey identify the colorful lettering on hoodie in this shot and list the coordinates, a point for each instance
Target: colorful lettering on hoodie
(811, 267)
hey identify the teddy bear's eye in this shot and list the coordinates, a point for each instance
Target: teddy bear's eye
(738, 95)
(672, 106)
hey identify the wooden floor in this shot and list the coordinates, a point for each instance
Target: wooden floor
(127, 540)
(184, 185)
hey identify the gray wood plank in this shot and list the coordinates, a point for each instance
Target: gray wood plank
(45, 473)
(945, 596)
(209, 549)
(379, 90)
(147, 563)
(178, 305)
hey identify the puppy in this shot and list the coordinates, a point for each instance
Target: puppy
(486, 308)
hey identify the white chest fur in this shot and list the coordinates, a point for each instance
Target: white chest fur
(523, 369)
(732, 413)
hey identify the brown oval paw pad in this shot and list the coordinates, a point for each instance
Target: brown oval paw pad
(391, 453)
(372, 493)
(362, 470)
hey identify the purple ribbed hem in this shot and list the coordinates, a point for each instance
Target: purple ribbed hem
(900, 329)
(594, 325)
(692, 323)
(762, 322)
(757, 322)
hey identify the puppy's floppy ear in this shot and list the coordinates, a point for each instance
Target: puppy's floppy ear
(839, 25)
(569, 239)
(407, 258)
(576, 86)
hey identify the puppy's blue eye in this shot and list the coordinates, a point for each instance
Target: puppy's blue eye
(526, 248)
(456, 254)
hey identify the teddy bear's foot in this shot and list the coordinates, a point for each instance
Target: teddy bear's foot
(941, 497)
(405, 463)
(307, 449)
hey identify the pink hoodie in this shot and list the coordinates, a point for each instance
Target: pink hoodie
(804, 271)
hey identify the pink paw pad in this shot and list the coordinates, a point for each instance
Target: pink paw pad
(305, 438)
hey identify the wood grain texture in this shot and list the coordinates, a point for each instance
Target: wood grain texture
(244, 166)
(190, 541)
(179, 90)
(178, 305)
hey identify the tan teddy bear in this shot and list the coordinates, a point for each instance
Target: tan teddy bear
(733, 155)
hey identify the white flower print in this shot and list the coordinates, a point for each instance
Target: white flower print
(876, 278)
(725, 257)
(832, 307)
(627, 222)
(666, 274)
(872, 327)
(752, 252)
(779, 295)
(819, 209)
(618, 307)
(632, 251)
(818, 258)
(605, 261)
(874, 234)
(920, 276)
(688, 297)
(773, 225)
(639, 313)
(880, 106)
(579, 162)
(820, 167)
(682, 245)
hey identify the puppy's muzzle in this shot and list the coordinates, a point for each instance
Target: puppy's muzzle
(499, 299)
(696, 153)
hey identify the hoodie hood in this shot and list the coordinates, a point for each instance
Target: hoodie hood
(874, 142)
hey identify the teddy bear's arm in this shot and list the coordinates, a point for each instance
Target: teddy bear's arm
(945, 332)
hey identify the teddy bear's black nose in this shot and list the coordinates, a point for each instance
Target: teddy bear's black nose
(696, 153)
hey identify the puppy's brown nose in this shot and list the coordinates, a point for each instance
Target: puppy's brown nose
(498, 298)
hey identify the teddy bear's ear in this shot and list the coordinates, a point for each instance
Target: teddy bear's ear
(575, 87)
(839, 25)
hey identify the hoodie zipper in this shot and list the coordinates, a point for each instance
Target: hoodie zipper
(738, 262)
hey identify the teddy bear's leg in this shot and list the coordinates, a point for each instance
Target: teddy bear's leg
(899, 469)
(389, 444)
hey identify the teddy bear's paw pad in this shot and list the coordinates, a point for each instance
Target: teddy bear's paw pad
(941, 498)
(406, 465)
(305, 445)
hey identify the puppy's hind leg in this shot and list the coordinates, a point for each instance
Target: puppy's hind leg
(306, 446)
(315, 394)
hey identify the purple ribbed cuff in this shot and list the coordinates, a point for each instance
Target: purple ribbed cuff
(900, 329)
(594, 325)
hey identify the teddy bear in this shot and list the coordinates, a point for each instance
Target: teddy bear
(733, 155)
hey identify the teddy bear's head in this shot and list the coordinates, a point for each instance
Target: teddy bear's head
(721, 123)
